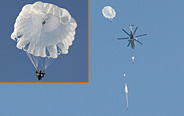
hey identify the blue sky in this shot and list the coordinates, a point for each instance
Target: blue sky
(65, 68)
(155, 81)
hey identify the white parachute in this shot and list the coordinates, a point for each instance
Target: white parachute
(44, 31)
(126, 92)
(108, 12)
(133, 59)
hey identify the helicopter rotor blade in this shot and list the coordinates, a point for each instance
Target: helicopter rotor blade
(126, 32)
(135, 30)
(128, 44)
(139, 42)
(122, 38)
(141, 35)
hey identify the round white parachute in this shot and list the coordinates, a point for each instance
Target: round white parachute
(108, 12)
(44, 31)
(133, 59)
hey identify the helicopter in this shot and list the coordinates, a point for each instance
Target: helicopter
(132, 39)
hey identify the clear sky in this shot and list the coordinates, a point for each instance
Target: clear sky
(155, 81)
(15, 62)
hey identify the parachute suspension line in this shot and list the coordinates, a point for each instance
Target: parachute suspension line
(48, 62)
(36, 59)
(42, 63)
(39, 62)
(111, 20)
(32, 60)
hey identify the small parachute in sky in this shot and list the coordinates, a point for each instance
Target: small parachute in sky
(126, 92)
(133, 59)
(44, 31)
(124, 75)
(108, 12)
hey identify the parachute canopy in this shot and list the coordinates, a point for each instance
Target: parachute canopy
(133, 59)
(44, 30)
(108, 12)
(126, 88)
(126, 92)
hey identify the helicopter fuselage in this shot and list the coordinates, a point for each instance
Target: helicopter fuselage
(132, 42)
(132, 39)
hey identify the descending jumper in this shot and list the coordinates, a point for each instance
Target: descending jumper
(44, 31)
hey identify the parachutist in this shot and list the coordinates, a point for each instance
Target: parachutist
(43, 22)
(36, 43)
(133, 59)
(40, 74)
